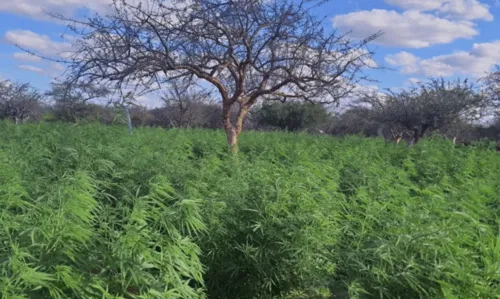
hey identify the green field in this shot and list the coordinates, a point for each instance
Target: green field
(93, 212)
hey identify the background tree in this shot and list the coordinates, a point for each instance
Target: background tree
(427, 107)
(184, 104)
(492, 89)
(247, 50)
(353, 121)
(140, 116)
(291, 116)
(19, 102)
(72, 101)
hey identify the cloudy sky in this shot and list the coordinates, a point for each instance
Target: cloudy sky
(422, 38)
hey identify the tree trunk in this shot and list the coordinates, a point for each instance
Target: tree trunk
(232, 138)
(233, 132)
(129, 120)
(419, 133)
(380, 132)
(181, 115)
(416, 136)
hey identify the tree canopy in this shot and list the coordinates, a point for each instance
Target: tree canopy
(19, 101)
(248, 50)
(427, 106)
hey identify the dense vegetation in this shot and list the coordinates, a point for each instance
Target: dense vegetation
(93, 212)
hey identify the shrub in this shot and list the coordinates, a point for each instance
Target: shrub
(291, 116)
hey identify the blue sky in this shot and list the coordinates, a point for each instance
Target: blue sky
(422, 38)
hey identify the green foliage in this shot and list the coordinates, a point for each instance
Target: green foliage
(77, 224)
(93, 212)
(291, 116)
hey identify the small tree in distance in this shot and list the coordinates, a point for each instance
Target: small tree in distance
(292, 116)
(427, 107)
(71, 101)
(492, 89)
(19, 102)
(247, 50)
(184, 104)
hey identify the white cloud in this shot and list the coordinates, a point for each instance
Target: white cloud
(41, 44)
(460, 9)
(31, 68)
(359, 88)
(38, 8)
(407, 61)
(55, 70)
(151, 100)
(467, 9)
(476, 62)
(365, 58)
(362, 57)
(411, 29)
(26, 57)
(57, 67)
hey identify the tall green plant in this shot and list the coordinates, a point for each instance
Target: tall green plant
(94, 212)
(72, 228)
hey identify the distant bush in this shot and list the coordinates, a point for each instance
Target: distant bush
(291, 116)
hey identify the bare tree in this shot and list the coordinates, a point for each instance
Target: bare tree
(355, 120)
(246, 49)
(19, 101)
(492, 89)
(72, 100)
(185, 104)
(427, 107)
